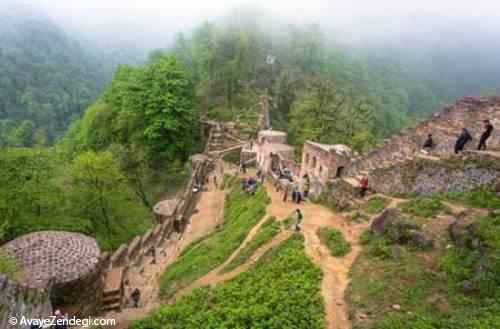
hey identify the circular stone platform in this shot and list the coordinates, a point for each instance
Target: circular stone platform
(50, 255)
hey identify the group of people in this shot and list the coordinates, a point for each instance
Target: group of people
(297, 195)
(463, 139)
(249, 185)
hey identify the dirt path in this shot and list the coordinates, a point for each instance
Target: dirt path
(335, 270)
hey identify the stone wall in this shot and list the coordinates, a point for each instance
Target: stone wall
(470, 171)
(444, 126)
(17, 300)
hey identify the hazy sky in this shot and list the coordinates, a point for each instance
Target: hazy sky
(352, 20)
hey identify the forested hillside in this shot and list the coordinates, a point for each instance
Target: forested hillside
(318, 90)
(47, 79)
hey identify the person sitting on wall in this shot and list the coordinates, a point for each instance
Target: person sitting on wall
(428, 145)
(136, 296)
(462, 139)
(487, 129)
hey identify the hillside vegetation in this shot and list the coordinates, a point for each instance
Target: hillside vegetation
(280, 291)
(241, 213)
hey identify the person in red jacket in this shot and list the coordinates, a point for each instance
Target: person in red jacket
(363, 186)
(487, 129)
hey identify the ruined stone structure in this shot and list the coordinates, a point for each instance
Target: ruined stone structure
(19, 299)
(445, 126)
(322, 162)
(64, 265)
(271, 136)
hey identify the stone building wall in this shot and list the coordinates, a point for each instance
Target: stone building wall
(445, 126)
(428, 177)
(17, 300)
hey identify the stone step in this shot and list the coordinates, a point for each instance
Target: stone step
(113, 281)
(352, 181)
(111, 299)
(111, 307)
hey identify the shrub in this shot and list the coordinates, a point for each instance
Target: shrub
(375, 205)
(423, 207)
(335, 241)
(9, 266)
(480, 198)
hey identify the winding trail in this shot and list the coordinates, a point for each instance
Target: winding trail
(209, 212)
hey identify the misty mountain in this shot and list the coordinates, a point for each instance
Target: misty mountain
(47, 78)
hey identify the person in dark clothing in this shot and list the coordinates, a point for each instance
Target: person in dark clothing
(428, 144)
(307, 186)
(294, 195)
(298, 219)
(136, 296)
(285, 195)
(487, 129)
(60, 320)
(463, 139)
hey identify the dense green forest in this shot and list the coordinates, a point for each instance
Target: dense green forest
(317, 88)
(47, 79)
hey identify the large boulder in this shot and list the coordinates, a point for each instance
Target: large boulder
(386, 220)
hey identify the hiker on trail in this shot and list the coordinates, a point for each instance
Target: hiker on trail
(243, 168)
(298, 219)
(487, 129)
(463, 139)
(307, 186)
(136, 296)
(428, 145)
(152, 252)
(294, 194)
(298, 198)
(285, 195)
(215, 181)
(363, 186)
(251, 143)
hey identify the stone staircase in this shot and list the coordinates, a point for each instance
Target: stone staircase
(113, 290)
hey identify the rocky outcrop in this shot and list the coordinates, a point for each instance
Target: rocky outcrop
(444, 126)
(399, 230)
(424, 176)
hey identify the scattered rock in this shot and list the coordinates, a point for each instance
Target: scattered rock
(396, 307)
(420, 240)
(382, 223)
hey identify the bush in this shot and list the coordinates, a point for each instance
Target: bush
(241, 213)
(480, 198)
(375, 205)
(280, 291)
(9, 266)
(424, 207)
(335, 241)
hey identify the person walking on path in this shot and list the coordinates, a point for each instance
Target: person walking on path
(136, 296)
(462, 139)
(487, 129)
(215, 182)
(298, 219)
(285, 195)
